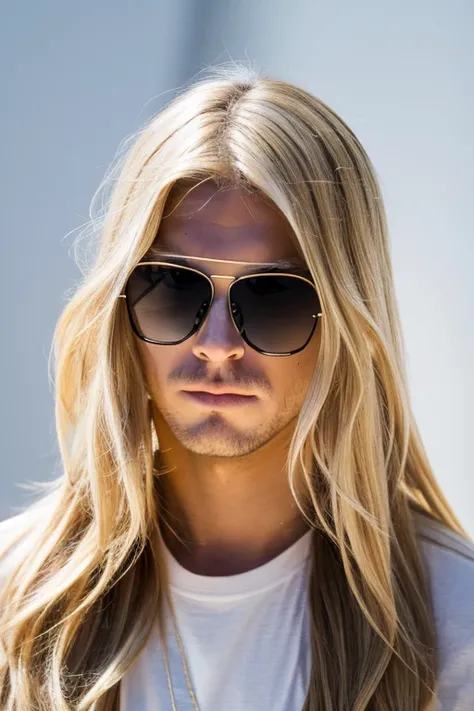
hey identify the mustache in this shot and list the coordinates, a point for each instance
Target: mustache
(200, 376)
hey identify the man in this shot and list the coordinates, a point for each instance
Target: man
(247, 518)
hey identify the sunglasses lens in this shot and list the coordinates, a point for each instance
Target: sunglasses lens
(166, 303)
(275, 313)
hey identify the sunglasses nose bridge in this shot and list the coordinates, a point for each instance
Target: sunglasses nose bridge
(222, 290)
(217, 338)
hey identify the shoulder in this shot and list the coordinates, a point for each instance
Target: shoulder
(21, 531)
(17, 534)
(449, 559)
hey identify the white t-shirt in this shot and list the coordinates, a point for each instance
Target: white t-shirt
(246, 638)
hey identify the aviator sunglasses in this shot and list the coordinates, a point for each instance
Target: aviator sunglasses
(274, 310)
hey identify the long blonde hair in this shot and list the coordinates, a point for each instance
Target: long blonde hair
(78, 609)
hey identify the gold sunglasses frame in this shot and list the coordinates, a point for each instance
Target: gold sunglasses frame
(232, 280)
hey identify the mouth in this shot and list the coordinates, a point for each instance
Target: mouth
(215, 400)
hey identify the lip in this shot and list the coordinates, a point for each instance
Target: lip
(216, 390)
(219, 400)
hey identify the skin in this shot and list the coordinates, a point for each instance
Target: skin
(226, 493)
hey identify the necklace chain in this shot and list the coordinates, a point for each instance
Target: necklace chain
(185, 667)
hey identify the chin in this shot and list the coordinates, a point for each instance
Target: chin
(217, 438)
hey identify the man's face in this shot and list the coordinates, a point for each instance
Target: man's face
(234, 225)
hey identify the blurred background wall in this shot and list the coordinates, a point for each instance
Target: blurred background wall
(80, 77)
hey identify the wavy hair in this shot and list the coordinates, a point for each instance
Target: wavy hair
(79, 606)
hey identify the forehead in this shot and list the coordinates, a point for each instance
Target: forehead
(224, 223)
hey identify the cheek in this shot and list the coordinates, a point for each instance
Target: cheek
(155, 361)
(308, 358)
(295, 372)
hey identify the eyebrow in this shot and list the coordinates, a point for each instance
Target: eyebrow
(154, 253)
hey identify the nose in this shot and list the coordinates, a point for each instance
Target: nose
(218, 339)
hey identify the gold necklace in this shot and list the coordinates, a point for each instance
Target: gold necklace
(176, 631)
(185, 667)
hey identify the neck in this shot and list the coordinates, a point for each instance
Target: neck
(223, 516)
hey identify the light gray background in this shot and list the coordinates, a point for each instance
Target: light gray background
(79, 77)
